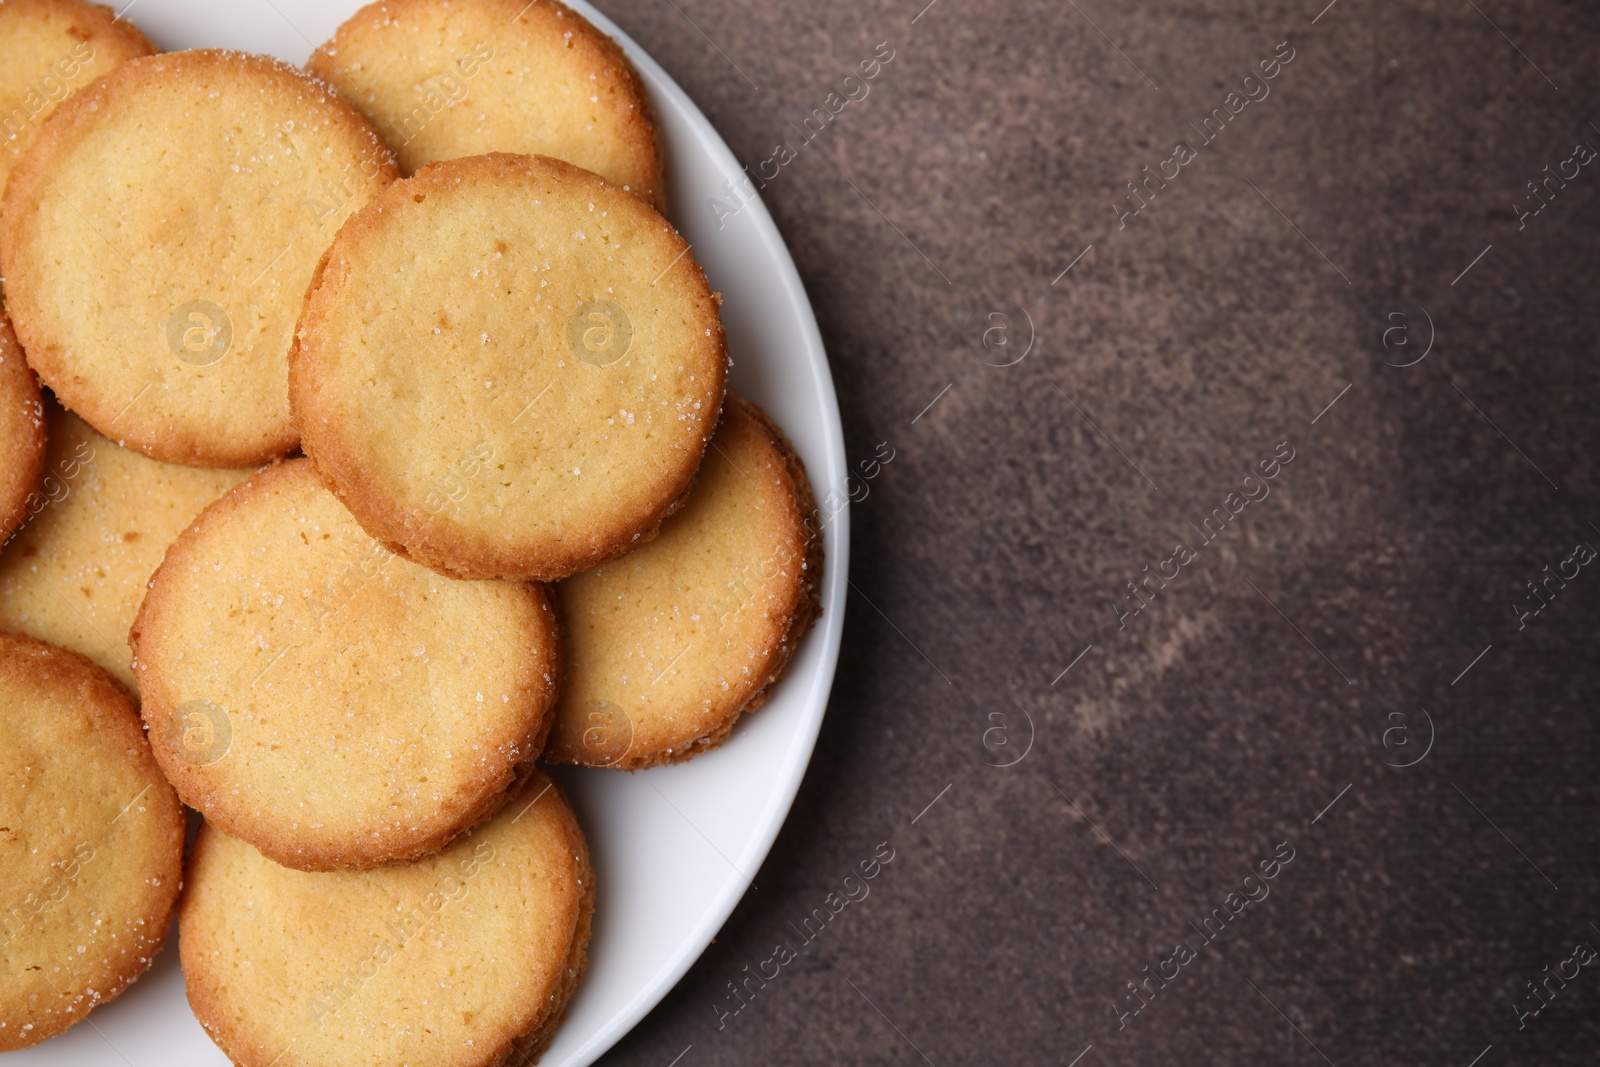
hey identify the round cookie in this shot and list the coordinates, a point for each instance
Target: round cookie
(507, 368)
(49, 48)
(669, 645)
(91, 842)
(442, 79)
(75, 574)
(157, 241)
(464, 959)
(22, 434)
(332, 704)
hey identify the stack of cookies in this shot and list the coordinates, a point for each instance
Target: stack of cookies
(384, 449)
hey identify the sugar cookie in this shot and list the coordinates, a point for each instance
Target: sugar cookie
(48, 49)
(508, 368)
(158, 237)
(466, 958)
(332, 704)
(75, 574)
(668, 645)
(441, 79)
(91, 842)
(22, 435)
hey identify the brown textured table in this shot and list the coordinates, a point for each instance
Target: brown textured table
(1344, 264)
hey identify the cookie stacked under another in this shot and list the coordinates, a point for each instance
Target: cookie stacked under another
(670, 644)
(76, 573)
(91, 842)
(22, 435)
(443, 79)
(467, 958)
(48, 49)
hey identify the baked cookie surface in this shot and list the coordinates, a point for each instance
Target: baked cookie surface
(75, 574)
(22, 435)
(441, 79)
(157, 241)
(91, 842)
(507, 368)
(464, 959)
(331, 703)
(669, 645)
(49, 48)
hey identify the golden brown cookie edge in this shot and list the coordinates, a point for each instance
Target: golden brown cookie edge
(25, 454)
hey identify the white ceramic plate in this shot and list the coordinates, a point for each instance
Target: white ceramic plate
(675, 847)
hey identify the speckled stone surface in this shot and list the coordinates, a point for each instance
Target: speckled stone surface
(1371, 198)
